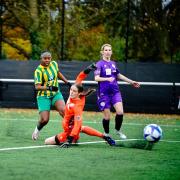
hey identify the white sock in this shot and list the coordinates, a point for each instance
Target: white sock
(36, 130)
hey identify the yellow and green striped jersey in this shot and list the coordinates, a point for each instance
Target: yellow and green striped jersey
(47, 76)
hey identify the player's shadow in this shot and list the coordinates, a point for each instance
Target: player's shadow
(141, 144)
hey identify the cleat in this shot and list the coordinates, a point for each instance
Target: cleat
(109, 140)
(35, 134)
(121, 135)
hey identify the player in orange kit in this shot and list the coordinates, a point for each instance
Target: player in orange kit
(72, 121)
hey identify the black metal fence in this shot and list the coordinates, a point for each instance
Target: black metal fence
(159, 92)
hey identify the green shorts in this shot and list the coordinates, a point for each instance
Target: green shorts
(45, 103)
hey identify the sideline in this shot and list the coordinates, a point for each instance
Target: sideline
(87, 122)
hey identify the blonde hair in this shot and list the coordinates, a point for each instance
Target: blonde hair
(103, 46)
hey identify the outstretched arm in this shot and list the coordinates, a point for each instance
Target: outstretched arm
(83, 74)
(61, 76)
(124, 78)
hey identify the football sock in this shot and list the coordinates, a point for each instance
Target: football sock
(106, 125)
(57, 140)
(118, 121)
(91, 132)
(41, 125)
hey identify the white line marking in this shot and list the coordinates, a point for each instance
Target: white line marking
(170, 141)
(80, 143)
(27, 147)
(86, 122)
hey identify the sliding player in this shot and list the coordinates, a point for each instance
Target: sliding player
(72, 122)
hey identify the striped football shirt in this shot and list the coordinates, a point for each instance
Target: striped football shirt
(47, 76)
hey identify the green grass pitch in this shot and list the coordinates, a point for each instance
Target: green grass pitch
(130, 160)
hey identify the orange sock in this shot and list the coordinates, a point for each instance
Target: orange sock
(91, 132)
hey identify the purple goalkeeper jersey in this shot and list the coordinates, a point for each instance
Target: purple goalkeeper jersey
(107, 69)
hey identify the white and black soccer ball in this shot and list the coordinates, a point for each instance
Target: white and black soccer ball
(152, 133)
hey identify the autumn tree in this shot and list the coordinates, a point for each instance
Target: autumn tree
(32, 26)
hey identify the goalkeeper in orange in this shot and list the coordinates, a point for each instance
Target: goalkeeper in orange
(72, 121)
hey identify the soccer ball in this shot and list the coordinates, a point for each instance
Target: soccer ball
(152, 133)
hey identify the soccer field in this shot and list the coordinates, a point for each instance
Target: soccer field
(24, 159)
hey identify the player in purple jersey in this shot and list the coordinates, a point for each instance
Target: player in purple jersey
(108, 94)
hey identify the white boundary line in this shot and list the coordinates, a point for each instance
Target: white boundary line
(87, 122)
(81, 143)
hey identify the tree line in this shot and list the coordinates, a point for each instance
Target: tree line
(138, 30)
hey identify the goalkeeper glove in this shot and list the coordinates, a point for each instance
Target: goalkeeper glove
(52, 88)
(90, 68)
